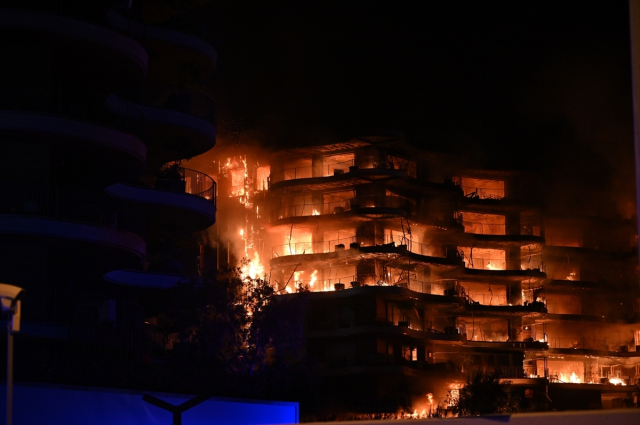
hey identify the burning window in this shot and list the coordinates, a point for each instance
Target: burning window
(486, 294)
(294, 242)
(531, 258)
(262, 178)
(298, 169)
(483, 224)
(482, 188)
(398, 163)
(237, 181)
(563, 271)
(337, 164)
(338, 237)
(485, 259)
(337, 275)
(337, 201)
(565, 371)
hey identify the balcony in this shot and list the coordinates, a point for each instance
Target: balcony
(73, 214)
(165, 266)
(175, 120)
(72, 118)
(181, 43)
(299, 248)
(295, 173)
(101, 50)
(189, 201)
(189, 181)
(483, 228)
(360, 205)
(339, 174)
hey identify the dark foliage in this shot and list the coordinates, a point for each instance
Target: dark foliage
(486, 393)
(235, 337)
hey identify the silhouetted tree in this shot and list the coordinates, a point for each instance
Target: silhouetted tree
(486, 393)
(237, 331)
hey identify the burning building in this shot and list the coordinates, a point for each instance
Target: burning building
(422, 271)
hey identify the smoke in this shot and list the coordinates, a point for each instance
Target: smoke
(580, 114)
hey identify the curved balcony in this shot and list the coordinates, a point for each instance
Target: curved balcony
(345, 174)
(488, 235)
(177, 44)
(111, 54)
(490, 269)
(341, 244)
(173, 134)
(386, 205)
(71, 214)
(74, 119)
(189, 202)
(165, 266)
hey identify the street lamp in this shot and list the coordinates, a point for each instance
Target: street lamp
(10, 299)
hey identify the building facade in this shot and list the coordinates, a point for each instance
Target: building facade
(422, 271)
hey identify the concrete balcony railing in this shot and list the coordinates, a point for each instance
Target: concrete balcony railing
(190, 37)
(68, 102)
(71, 204)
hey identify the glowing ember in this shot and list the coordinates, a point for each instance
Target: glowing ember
(315, 212)
(241, 232)
(571, 276)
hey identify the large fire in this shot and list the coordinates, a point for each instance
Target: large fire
(314, 279)
(573, 378)
(253, 269)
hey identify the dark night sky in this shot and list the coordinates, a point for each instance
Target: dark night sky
(520, 84)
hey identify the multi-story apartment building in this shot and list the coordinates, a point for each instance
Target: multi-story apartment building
(94, 99)
(423, 271)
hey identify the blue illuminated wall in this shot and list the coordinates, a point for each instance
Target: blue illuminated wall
(47, 404)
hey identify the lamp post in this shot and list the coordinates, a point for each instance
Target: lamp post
(10, 299)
